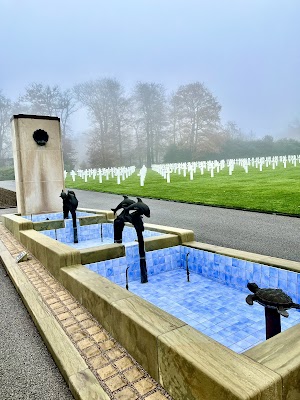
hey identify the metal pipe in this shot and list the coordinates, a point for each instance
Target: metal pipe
(127, 277)
(101, 233)
(273, 323)
(187, 267)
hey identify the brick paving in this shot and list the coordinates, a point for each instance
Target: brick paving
(118, 373)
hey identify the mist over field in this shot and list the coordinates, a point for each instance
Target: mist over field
(148, 82)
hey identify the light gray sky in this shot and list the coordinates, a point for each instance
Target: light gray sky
(246, 52)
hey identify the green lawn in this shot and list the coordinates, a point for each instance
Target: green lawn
(270, 190)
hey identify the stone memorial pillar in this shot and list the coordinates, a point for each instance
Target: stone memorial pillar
(38, 163)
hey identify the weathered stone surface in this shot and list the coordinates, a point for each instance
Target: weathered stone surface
(48, 225)
(51, 253)
(281, 355)
(17, 278)
(108, 213)
(192, 366)
(84, 386)
(15, 224)
(93, 219)
(137, 324)
(94, 292)
(38, 169)
(161, 242)
(101, 253)
(185, 235)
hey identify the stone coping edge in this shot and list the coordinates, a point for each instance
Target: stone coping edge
(54, 254)
(281, 355)
(115, 250)
(167, 347)
(109, 215)
(244, 255)
(81, 382)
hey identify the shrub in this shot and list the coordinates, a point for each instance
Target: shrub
(7, 174)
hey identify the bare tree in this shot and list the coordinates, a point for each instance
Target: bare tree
(173, 118)
(106, 105)
(198, 116)
(6, 110)
(46, 100)
(150, 102)
(232, 131)
(41, 99)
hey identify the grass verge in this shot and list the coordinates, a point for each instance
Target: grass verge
(271, 190)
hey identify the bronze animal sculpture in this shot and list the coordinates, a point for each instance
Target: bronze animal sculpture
(273, 298)
(70, 204)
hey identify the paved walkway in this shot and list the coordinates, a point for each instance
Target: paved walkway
(266, 234)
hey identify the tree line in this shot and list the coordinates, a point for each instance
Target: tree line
(144, 127)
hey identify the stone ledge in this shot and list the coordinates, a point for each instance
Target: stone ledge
(93, 291)
(205, 369)
(244, 255)
(46, 225)
(82, 383)
(137, 324)
(161, 242)
(109, 215)
(132, 321)
(166, 347)
(185, 235)
(15, 224)
(281, 355)
(101, 253)
(93, 219)
(51, 253)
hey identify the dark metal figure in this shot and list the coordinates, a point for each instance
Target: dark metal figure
(275, 301)
(124, 203)
(133, 212)
(70, 204)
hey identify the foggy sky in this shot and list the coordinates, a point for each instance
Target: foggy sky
(246, 52)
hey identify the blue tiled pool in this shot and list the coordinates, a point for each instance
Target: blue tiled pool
(214, 300)
(92, 235)
(53, 216)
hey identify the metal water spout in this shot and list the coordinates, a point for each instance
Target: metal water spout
(187, 266)
(127, 277)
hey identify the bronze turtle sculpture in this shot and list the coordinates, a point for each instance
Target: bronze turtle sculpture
(274, 298)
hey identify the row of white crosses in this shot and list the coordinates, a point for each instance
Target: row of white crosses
(186, 168)
(120, 173)
(190, 168)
